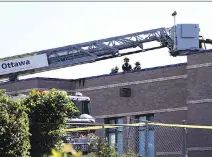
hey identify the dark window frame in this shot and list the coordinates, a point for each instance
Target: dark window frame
(113, 130)
(150, 118)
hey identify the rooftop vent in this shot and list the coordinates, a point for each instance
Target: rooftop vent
(125, 92)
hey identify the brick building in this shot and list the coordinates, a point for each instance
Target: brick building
(167, 94)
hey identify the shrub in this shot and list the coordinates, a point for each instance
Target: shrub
(103, 149)
(14, 128)
(47, 113)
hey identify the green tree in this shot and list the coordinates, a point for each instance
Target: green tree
(14, 128)
(47, 112)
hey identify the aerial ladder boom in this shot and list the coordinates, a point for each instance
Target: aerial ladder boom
(98, 50)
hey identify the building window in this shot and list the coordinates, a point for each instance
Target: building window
(125, 92)
(149, 132)
(115, 135)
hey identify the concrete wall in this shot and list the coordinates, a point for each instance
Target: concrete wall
(152, 90)
(46, 83)
(19, 85)
(199, 100)
(52, 83)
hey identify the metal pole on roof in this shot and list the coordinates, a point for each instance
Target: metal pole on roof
(174, 15)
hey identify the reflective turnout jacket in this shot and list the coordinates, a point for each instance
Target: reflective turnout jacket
(126, 67)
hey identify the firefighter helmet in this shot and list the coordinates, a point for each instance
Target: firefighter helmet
(137, 63)
(126, 59)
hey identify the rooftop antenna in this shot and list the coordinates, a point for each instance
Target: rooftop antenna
(174, 28)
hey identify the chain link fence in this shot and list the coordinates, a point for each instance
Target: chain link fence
(144, 139)
(147, 140)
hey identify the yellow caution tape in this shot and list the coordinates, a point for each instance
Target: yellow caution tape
(182, 126)
(138, 124)
(100, 127)
(90, 128)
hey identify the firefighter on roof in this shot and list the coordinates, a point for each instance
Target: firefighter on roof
(112, 71)
(126, 67)
(137, 66)
(116, 69)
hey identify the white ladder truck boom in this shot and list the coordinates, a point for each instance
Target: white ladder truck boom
(183, 39)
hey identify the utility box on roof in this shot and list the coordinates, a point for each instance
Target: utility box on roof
(187, 37)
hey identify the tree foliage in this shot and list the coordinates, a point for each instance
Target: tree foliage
(47, 112)
(14, 128)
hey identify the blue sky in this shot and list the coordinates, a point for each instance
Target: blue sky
(28, 27)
